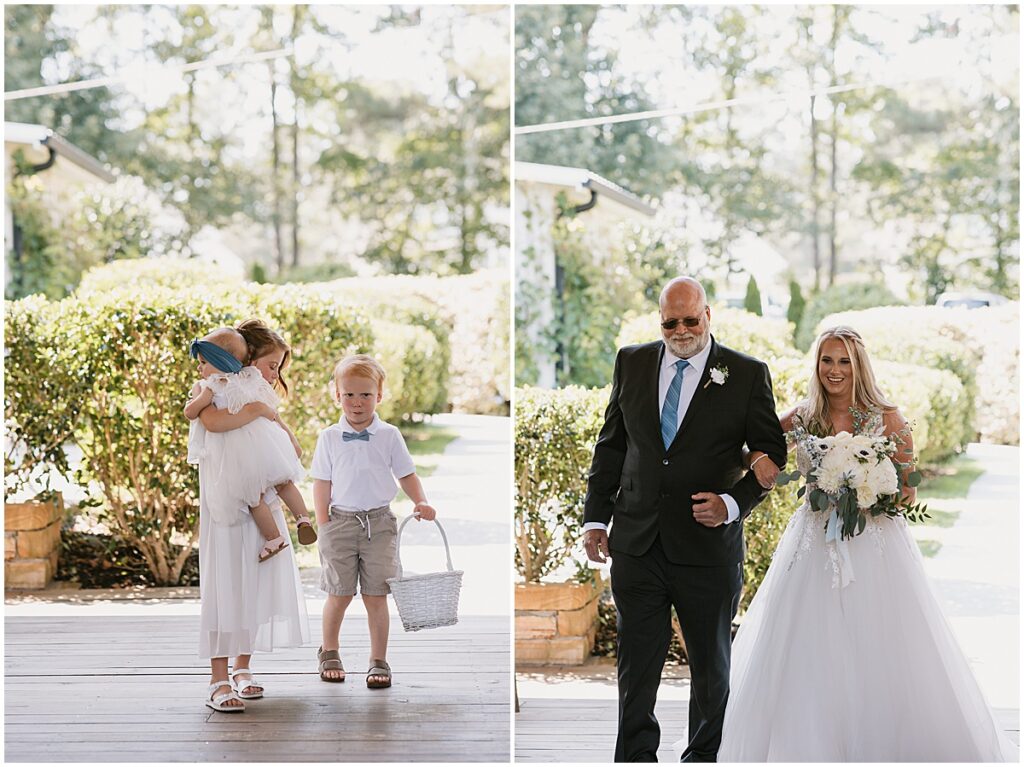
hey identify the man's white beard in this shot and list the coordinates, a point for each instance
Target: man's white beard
(689, 345)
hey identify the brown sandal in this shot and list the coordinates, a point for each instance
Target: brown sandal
(306, 533)
(378, 668)
(330, 660)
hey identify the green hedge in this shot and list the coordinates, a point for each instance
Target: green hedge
(765, 339)
(129, 351)
(840, 298)
(416, 366)
(163, 272)
(980, 346)
(555, 433)
(468, 316)
(43, 393)
(472, 310)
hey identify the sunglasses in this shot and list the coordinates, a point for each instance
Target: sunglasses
(689, 322)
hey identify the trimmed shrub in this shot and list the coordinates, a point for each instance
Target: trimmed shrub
(555, 434)
(165, 272)
(43, 393)
(469, 314)
(129, 350)
(841, 298)
(797, 303)
(416, 370)
(752, 300)
(765, 339)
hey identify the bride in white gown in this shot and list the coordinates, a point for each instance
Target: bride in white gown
(844, 654)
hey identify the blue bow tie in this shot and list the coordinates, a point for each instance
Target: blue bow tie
(348, 436)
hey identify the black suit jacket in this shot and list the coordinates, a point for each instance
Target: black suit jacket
(644, 489)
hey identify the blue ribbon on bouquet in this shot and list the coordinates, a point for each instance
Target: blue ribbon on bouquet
(833, 535)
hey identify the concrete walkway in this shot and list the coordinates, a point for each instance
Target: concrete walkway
(569, 715)
(976, 574)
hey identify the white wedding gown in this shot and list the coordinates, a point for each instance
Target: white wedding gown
(868, 671)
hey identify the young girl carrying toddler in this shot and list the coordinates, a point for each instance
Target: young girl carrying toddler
(259, 456)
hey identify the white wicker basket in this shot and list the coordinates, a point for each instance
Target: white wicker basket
(430, 600)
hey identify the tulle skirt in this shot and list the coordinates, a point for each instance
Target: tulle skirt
(242, 464)
(865, 672)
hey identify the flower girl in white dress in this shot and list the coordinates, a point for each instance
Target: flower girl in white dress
(246, 462)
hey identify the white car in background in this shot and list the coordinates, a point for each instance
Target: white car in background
(970, 299)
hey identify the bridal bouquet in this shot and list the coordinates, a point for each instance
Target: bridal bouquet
(853, 476)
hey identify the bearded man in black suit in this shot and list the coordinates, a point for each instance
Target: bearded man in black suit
(669, 474)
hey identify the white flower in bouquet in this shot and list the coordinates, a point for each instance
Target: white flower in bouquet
(882, 478)
(829, 477)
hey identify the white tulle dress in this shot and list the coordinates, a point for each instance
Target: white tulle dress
(868, 671)
(242, 464)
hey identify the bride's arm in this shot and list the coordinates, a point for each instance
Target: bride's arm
(764, 468)
(896, 426)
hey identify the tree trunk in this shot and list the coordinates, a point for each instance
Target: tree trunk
(815, 202)
(833, 202)
(294, 81)
(275, 159)
(833, 255)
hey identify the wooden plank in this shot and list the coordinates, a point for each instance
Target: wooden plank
(130, 689)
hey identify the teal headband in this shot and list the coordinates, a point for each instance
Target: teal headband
(224, 361)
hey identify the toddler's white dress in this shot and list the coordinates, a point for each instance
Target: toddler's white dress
(243, 463)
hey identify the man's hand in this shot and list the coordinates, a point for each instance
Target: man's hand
(711, 511)
(764, 469)
(596, 544)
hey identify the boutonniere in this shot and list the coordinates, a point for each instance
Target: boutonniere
(718, 376)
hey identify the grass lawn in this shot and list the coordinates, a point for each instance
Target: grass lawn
(943, 489)
(426, 443)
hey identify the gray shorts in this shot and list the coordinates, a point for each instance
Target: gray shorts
(358, 546)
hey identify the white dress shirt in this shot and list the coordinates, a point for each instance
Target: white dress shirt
(691, 377)
(362, 473)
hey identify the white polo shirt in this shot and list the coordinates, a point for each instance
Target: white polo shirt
(362, 473)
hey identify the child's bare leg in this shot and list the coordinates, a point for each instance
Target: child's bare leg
(264, 519)
(333, 614)
(292, 499)
(242, 663)
(379, 623)
(219, 673)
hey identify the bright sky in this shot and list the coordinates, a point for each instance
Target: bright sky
(409, 59)
(656, 58)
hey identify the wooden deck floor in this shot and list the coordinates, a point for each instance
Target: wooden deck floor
(579, 725)
(130, 689)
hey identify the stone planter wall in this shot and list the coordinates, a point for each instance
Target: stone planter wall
(31, 543)
(556, 622)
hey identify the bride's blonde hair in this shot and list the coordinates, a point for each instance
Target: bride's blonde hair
(866, 394)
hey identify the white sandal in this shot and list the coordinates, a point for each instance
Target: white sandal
(217, 702)
(240, 685)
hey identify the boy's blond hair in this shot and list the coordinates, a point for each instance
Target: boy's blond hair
(362, 365)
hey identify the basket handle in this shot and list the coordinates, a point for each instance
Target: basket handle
(447, 549)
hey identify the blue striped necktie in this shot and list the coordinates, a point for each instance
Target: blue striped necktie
(669, 417)
(349, 436)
